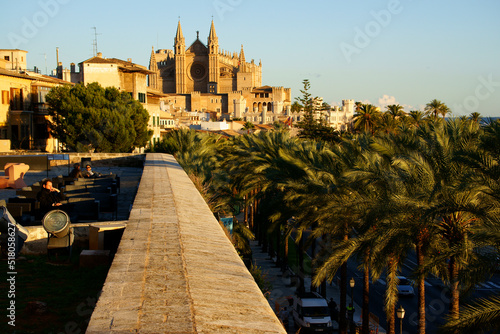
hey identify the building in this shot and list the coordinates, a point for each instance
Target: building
(13, 59)
(205, 78)
(23, 109)
(125, 76)
(340, 118)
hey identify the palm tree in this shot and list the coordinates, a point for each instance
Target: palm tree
(248, 126)
(475, 116)
(481, 317)
(417, 117)
(366, 118)
(396, 111)
(458, 210)
(436, 108)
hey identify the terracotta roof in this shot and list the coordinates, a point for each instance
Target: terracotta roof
(46, 78)
(122, 64)
(263, 89)
(15, 74)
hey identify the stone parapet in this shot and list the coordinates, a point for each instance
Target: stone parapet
(175, 270)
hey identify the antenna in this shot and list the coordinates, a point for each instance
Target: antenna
(94, 42)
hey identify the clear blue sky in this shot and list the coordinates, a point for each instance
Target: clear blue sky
(383, 52)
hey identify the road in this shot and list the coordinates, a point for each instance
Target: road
(437, 299)
(436, 296)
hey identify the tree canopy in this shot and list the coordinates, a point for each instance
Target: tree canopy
(91, 117)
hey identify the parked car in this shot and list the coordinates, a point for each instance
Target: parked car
(405, 287)
(311, 313)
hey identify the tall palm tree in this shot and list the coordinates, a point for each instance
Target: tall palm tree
(395, 110)
(480, 317)
(458, 210)
(366, 118)
(417, 118)
(436, 108)
(475, 116)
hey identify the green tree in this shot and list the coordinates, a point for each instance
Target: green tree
(95, 118)
(436, 108)
(311, 126)
(248, 126)
(395, 110)
(366, 118)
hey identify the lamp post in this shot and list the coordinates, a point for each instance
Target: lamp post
(401, 314)
(352, 283)
(350, 310)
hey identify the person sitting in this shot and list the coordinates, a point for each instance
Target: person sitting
(88, 173)
(76, 172)
(49, 197)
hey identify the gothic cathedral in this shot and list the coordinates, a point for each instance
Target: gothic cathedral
(205, 78)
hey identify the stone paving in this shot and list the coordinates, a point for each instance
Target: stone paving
(175, 270)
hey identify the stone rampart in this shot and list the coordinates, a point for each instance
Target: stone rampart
(175, 271)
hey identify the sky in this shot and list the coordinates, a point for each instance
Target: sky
(405, 52)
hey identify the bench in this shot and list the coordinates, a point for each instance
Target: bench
(98, 234)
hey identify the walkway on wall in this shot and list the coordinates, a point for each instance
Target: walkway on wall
(175, 270)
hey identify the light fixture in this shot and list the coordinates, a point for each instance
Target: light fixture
(56, 223)
(400, 312)
(60, 234)
(352, 282)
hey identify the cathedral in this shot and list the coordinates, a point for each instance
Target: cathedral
(204, 78)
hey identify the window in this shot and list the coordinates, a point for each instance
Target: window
(6, 58)
(142, 97)
(5, 97)
(16, 102)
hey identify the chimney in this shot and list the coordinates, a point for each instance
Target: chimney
(73, 67)
(129, 60)
(99, 54)
(57, 56)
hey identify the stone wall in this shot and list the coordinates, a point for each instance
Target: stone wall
(175, 270)
(97, 159)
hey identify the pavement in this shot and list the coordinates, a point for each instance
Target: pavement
(283, 288)
(129, 181)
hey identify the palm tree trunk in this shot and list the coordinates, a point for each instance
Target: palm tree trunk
(421, 289)
(343, 299)
(366, 298)
(391, 295)
(245, 212)
(343, 291)
(301, 265)
(455, 293)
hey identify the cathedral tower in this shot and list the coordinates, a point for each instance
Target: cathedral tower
(153, 66)
(180, 61)
(213, 60)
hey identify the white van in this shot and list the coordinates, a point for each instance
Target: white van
(311, 313)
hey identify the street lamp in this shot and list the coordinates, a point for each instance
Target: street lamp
(351, 306)
(352, 283)
(401, 314)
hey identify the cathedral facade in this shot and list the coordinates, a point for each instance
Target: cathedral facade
(206, 79)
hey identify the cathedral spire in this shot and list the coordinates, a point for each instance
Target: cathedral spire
(212, 36)
(242, 66)
(178, 35)
(213, 40)
(242, 55)
(153, 66)
(179, 41)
